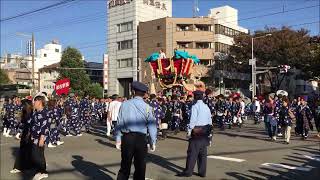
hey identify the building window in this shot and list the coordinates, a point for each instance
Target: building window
(123, 63)
(183, 45)
(184, 27)
(220, 47)
(203, 45)
(158, 27)
(123, 27)
(202, 27)
(158, 44)
(125, 45)
(219, 29)
(57, 50)
(204, 61)
(44, 55)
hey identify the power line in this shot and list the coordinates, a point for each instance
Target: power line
(36, 10)
(95, 18)
(153, 47)
(221, 18)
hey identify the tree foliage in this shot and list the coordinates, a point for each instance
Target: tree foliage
(315, 54)
(284, 47)
(79, 80)
(95, 90)
(4, 79)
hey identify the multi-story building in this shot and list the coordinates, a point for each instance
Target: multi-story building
(50, 54)
(18, 68)
(48, 77)
(94, 71)
(226, 26)
(204, 37)
(124, 17)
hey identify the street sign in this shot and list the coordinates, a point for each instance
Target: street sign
(252, 61)
(62, 86)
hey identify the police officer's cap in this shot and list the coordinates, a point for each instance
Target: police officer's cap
(115, 96)
(198, 93)
(138, 86)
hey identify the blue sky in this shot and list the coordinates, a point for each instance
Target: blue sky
(82, 24)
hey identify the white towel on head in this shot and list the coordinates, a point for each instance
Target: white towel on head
(41, 94)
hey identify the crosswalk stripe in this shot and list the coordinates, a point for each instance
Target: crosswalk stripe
(287, 167)
(226, 158)
(312, 157)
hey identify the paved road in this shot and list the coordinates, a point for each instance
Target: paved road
(245, 154)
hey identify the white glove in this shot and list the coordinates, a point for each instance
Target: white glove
(118, 145)
(153, 148)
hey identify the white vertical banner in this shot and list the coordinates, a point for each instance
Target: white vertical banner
(105, 71)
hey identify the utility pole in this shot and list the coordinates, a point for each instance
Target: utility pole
(33, 56)
(253, 71)
(253, 65)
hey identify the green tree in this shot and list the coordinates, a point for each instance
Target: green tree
(95, 90)
(315, 54)
(4, 79)
(284, 47)
(79, 80)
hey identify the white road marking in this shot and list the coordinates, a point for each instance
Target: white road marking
(287, 167)
(312, 157)
(4, 144)
(226, 158)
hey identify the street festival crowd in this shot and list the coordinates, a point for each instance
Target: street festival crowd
(43, 121)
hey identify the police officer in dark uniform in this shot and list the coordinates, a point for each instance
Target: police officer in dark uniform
(199, 130)
(135, 120)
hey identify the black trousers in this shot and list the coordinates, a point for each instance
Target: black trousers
(38, 159)
(197, 152)
(23, 159)
(133, 145)
(317, 122)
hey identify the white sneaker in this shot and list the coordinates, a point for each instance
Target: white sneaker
(59, 143)
(36, 177)
(43, 175)
(4, 132)
(18, 136)
(280, 134)
(39, 176)
(69, 135)
(50, 145)
(79, 135)
(14, 171)
(8, 133)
